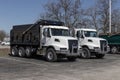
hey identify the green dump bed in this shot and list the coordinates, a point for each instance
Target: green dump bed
(112, 40)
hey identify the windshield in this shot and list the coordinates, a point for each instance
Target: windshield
(60, 32)
(90, 34)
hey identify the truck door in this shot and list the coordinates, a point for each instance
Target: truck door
(81, 37)
(46, 36)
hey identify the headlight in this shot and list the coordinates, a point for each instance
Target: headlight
(63, 49)
(96, 48)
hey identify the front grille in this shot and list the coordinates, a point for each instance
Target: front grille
(73, 46)
(103, 45)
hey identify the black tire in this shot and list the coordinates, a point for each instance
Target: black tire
(71, 58)
(86, 53)
(21, 52)
(34, 51)
(114, 50)
(28, 52)
(99, 55)
(14, 51)
(51, 55)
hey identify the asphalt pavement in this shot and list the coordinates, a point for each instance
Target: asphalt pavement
(16, 68)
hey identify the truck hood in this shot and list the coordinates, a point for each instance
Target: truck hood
(63, 41)
(92, 41)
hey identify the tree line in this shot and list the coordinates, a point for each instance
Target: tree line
(74, 15)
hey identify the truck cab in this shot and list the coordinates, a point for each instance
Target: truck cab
(91, 44)
(57, 39)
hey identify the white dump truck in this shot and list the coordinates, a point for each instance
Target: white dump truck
(91, 44)
(50, 38)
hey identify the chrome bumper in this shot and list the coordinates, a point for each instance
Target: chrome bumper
(68, 53)
(99, 51)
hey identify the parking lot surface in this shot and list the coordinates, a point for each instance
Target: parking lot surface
(15, 68)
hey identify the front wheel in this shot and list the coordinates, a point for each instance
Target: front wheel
(86, 53)
(99, 55)
(51, 55)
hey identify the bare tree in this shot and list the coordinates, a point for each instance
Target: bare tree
(116, 21)
(93, 17)
(71, 12)
(2, 35)
(98, 15)
(115, 18)
(68, 11)
(103, 9)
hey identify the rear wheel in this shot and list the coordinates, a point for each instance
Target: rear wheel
(21, 52)
(51, 55)
(34, 51)
(99, 55)
(28, 52)
(114, 50)
(14, 51)
(86, 53)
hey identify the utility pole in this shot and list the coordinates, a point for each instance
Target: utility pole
(109, 16)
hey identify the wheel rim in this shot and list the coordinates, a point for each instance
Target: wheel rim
(114, 50)
(27, 52)
(84, 54)
(50, 55)
(20, 52)
(13, 52)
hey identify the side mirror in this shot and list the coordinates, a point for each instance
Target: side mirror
(78, 34)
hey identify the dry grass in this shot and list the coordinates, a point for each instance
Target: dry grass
(4, 52)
